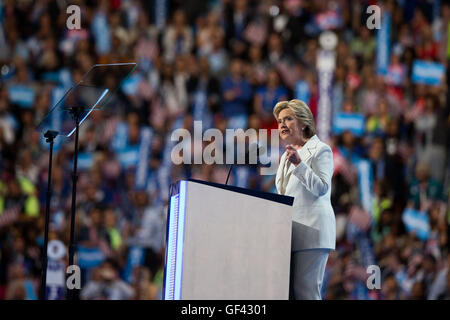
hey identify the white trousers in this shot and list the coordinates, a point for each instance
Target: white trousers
(307, 271)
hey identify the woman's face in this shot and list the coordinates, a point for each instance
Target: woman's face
(289, 126)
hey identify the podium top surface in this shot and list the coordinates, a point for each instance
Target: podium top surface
(259, 194)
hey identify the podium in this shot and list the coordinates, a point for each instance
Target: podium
(226, 243)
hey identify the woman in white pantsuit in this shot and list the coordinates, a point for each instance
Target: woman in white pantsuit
(305, 172)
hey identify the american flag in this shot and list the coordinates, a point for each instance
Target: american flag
(344, 167)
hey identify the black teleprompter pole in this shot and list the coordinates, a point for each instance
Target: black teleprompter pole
(76, 113)
(50, 135)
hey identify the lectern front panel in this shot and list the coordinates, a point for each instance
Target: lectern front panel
(224, 244)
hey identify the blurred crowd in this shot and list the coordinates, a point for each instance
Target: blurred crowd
(226, 63)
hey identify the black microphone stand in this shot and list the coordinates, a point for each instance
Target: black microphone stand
(246, 155)
(50, 136)
(76, 113)
(229, 171)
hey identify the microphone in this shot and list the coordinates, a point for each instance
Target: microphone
(252, 148)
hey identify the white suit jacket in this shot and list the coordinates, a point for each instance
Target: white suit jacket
(314, 224)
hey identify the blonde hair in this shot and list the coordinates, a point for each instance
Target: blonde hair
(301, 112)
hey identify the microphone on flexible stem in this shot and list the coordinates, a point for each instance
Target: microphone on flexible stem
(229, 171)
(251, 148)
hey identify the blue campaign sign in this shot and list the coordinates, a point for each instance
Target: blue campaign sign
(427, 72)
(302, 91)
(85, 160)
(129, 156)
(100, 31)
(120, 138)
(50, 76)
(160, 10)
(130, 85)
(353, 122)
(89, 257)
(21, 95)
(418, 222)
(135, 258)
(365, 183)
(383, 44)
